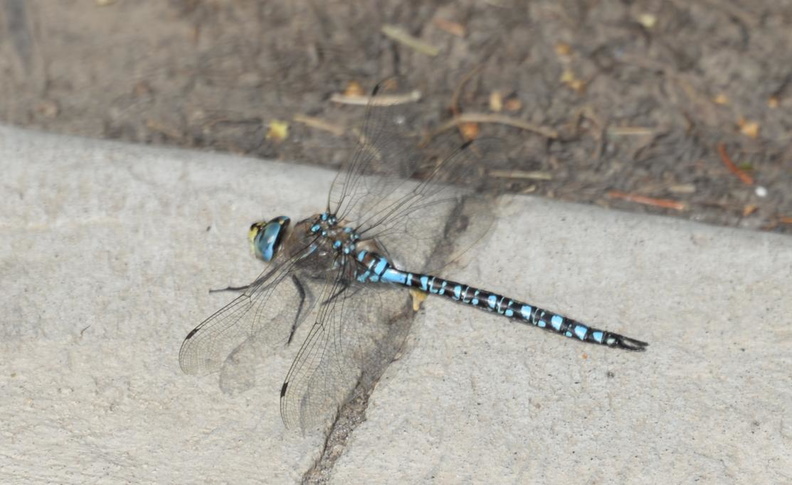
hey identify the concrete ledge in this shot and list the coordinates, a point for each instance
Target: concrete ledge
(107, 252)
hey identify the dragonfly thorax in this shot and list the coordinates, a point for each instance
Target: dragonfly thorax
(342, 238)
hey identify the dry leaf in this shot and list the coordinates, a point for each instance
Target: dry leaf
(496, 101)
(47, 108)
(748, 128)
(452, 28)
(572, 82)
(469, 130)
(721, 99)
(513, 104)
(353, 88)
(562, 49)
(277, 130)
(648, 20)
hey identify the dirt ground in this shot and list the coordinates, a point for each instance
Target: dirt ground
(673, 107)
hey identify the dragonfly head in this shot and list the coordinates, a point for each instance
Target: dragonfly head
(266, 237)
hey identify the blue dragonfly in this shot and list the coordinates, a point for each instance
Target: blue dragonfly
(337, 269)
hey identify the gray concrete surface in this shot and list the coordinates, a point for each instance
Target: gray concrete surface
(107, 252)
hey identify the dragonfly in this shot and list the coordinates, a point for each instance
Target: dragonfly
(339, 270)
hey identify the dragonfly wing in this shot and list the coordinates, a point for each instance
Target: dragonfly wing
(358, 331)
(266, 313)
(380, 150)
(413, 220)
(373, 190)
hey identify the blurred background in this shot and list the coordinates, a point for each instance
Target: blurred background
(673, 107)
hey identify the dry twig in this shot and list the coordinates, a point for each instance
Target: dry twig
(521, 174)
(400, 35)
(320, 124)
(490, 118)
(746, 179)
(380, 100)
(640, 199)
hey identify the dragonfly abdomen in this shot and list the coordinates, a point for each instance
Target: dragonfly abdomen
(379, 269)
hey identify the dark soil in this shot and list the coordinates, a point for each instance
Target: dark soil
(622, 99)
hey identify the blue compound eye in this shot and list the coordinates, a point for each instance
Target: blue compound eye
(266, 237)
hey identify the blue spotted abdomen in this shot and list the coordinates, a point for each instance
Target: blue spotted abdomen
(378, 269)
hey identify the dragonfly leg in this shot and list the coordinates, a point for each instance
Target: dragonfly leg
(237, 289)
(298, 315)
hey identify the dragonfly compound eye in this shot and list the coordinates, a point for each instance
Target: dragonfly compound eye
(266, 237)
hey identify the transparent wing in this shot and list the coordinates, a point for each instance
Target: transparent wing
(268, 311)
(357, 333)
(373, 192)
(380, 150)
(433, 211)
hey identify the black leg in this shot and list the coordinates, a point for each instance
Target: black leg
(298, 315)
